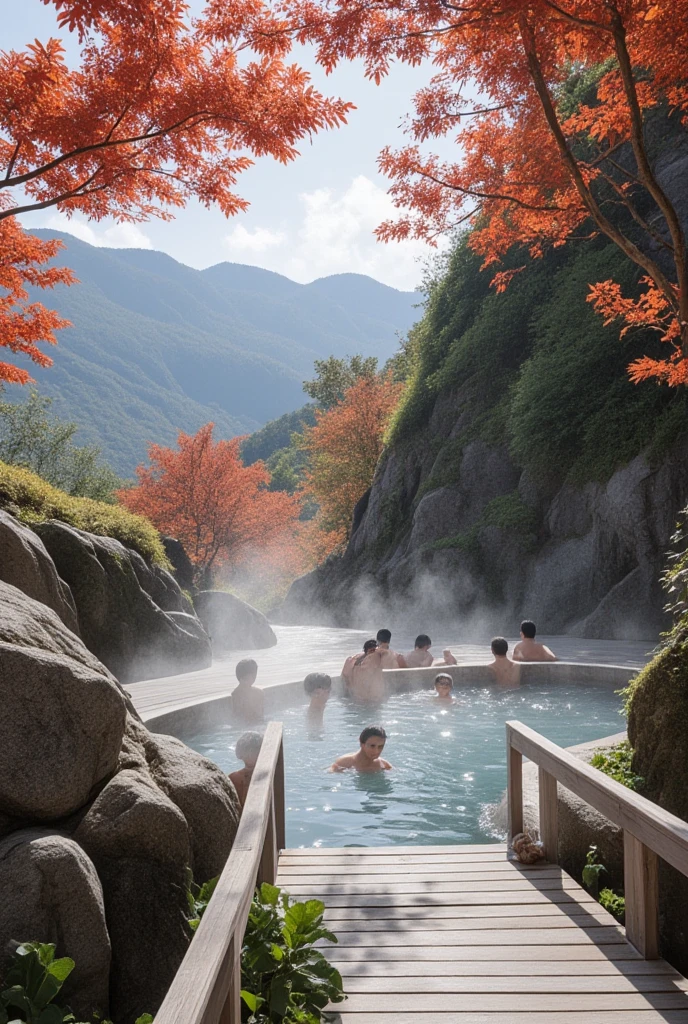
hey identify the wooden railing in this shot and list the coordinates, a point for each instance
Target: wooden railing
(649, 831)
(206, 988)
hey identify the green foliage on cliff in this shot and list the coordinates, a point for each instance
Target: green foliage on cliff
(657, 699)
(33, 500)
(535, 368)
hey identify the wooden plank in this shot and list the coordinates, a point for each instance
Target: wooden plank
(445, 875)
(430, 884)
(511, 936)
(493, 1002)
(647, 1016)
(497, 869)
(451, 857)
(622, 951)
(515, 898)
(567, 968)
(517, 985)
(549, 815)
(386, 851)
(353, 917)
(663, 832)
(525, 924)
(641, 889)
(514, 774)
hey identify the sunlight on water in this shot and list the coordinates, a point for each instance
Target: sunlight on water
(448, 762)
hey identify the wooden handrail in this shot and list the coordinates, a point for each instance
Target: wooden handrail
(649, 830)
(206, 988)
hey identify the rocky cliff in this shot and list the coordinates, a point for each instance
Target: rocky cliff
(525, 476)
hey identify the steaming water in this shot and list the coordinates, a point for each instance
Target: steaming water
(449, 761)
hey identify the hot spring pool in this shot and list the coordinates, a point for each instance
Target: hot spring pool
(449, 762)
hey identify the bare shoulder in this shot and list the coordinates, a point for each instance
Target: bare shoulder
(385, 764)
(343, 762)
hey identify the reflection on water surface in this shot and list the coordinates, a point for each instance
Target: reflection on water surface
(449, 761)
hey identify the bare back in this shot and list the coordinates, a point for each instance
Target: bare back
(532, 650)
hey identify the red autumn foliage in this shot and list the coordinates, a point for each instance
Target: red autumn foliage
(202, 494)
(533, 169)
(162, 108)
(344, 447)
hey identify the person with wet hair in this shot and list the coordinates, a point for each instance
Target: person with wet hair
(247, 703)
(444, 684)
(388, 657)
(368, 757)
(422, 657)
(507, 674)
(247, 750)
(318, 686)
(528, 648)
(362, 674)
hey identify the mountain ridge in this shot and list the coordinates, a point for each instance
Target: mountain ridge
(157, 346)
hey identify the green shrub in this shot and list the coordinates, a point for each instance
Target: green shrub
(617, 764)
(614, 903)
(198, 897)
(284, 978)
(33, 980)
(32, 500)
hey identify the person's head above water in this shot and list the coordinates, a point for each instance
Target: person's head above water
(248, 747)
(369, 645)
(384, 636)
(528, 629)
(499, 647)
(372, 741)
(246, 671)
(444, 684)
(317, 681)
(423, 641)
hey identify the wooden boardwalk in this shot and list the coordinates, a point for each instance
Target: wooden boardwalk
(461, 935)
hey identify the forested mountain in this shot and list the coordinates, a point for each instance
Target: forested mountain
(157, 346)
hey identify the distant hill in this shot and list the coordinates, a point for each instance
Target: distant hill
(157, 346)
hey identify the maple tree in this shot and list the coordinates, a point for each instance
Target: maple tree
(535, 169)
(343, 449)
(162, 108)
(202, 494)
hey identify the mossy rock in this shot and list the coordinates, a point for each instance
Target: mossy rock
(32, 500)
(658, 728)
(658, 732)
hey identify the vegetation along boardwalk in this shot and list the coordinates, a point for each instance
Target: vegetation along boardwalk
(462, 935)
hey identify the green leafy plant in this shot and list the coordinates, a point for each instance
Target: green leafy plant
(614, 903)
(617, 764)
(592, 871)
(284, 978)
(610, 900)
(198, 897)
(33, 980)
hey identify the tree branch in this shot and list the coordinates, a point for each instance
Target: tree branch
(605, 225)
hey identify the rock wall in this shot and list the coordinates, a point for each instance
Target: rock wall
(102, 823)
(498, 546)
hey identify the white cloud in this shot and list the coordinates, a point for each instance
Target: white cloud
(116, 236)
(334, 235)
(242, 242)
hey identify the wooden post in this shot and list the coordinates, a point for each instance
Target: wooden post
(514, 782)
(280, 809)
(642, 893)
(231, 1011)
(267, 870)
(549, 815)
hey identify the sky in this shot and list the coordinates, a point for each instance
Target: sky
(312, 218)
